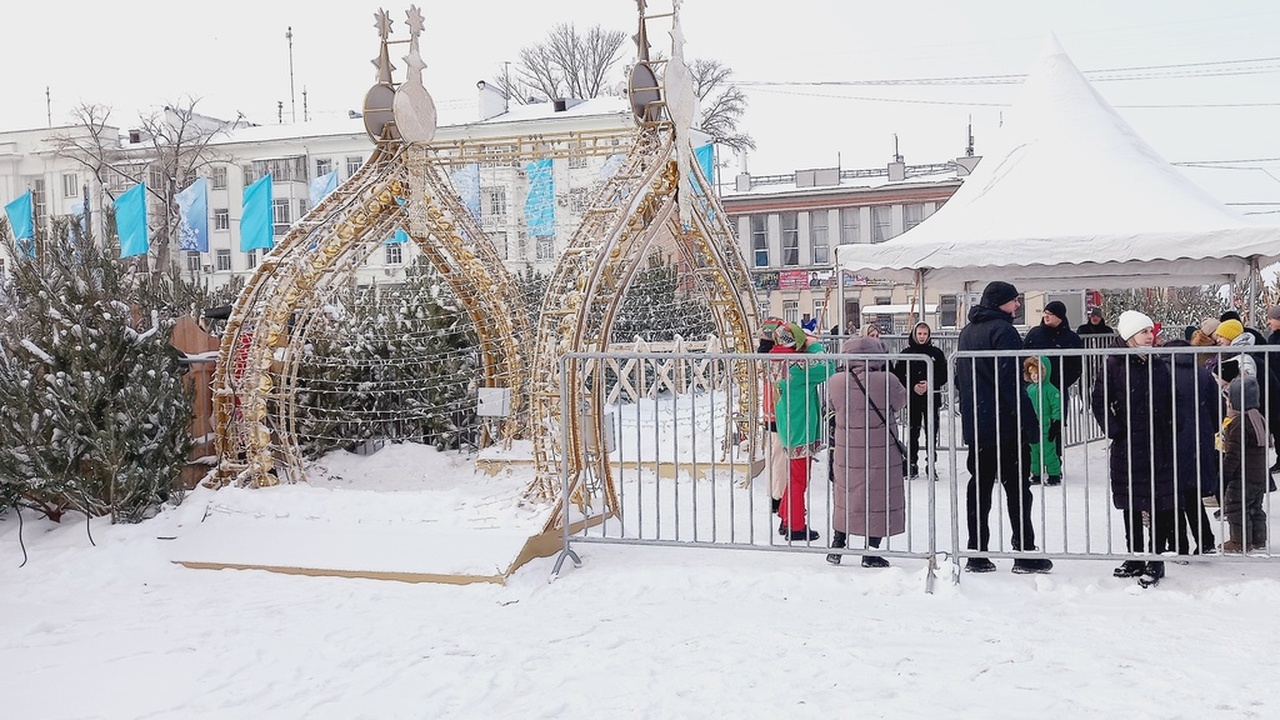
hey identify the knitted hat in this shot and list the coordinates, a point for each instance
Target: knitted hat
(1095, 311)
(1057, 308)
(790, 335)
(1208, 326)
(1244, 394)
(1131, 323)
(1230, 329)
(769, 327)
(998, 293)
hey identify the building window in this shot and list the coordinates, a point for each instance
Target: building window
(324, 166)
(246, 172)
(577, 163)
(818, 237)
(218, 178)
(38, 203)
(193, 262)
(546, 248)
(495, 202)
(760, 239)
(1, 267)
(302, 207)
(500, 244)
(912, 215)
(251, 259)
(948, 312)
(221, 219)
(393, 254)
(881, 223)
(791, 311)
(850, 226)
(280, 215)
(353, 164)
(819, 312)
(70, 185)
(224, 261)
(578, 200)
(155, 178)
(790, 238)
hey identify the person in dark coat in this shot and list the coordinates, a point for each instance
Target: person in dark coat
(1094, 324)
(1244, 467)
(1054, 333)
(1197, 410)
(914, 375)
(999, 425)
(1133, 404)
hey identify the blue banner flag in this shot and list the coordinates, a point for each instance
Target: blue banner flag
(706, 157)
(322, 186)
(399, 236)
(256, 227)
(131, 220)
(193, 217)
(19, 212)
(539, 204)
(466, 181)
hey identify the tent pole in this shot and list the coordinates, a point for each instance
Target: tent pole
(1253, 291)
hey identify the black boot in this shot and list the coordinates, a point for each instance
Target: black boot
(1152, 574)
(1129, 568)
(774, 504)
(838, 540)
(803, 534)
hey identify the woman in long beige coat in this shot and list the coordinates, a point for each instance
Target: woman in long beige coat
(869, 496)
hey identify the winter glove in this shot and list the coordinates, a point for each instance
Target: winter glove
(1055, 431)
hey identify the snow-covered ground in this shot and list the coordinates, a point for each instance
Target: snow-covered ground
(117, 630)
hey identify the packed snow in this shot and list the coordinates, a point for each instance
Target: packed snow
(101, 623)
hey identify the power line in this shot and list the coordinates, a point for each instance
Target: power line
(1011, 79)
(975, 103)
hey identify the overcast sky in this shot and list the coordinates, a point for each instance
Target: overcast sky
(233, 55)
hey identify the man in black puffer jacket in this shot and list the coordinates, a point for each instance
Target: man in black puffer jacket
(999, 425)
(914, 375)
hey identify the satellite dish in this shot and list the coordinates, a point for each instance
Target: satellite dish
(379, 113)
(645, 94)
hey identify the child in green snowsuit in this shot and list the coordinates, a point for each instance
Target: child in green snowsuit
(1047, 400)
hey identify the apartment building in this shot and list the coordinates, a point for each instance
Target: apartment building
(789, 226)
(497, 190)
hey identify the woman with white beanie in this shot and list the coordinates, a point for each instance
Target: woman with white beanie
(1133, 403)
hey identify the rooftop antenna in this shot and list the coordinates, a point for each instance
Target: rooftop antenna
(48, 106)
(293, 108)
(968, 150)
(305, 116)
(280, 112)
(896, 156)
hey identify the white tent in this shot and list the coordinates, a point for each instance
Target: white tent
(1071, 198)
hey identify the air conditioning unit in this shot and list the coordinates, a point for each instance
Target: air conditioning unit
(208, 269)
(388, 271)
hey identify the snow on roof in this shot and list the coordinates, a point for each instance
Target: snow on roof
(1071, 194)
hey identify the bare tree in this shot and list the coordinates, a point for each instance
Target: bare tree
(175, 148)
(722, 103)
(568, 64)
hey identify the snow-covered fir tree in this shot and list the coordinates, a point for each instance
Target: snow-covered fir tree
(95, 414)
(397, 364)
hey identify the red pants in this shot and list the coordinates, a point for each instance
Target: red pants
(791, 508)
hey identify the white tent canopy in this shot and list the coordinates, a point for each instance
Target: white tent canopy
(1071, 198)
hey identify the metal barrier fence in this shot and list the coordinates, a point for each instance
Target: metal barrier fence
(684, 477)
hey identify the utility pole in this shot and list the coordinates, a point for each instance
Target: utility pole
(293, 108)
(305, 116)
